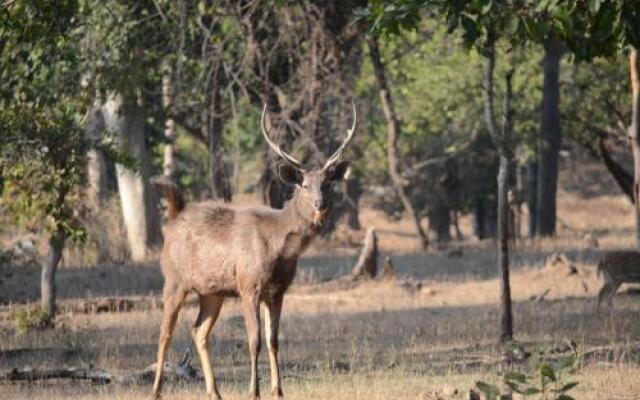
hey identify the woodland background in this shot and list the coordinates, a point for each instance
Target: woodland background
(96, 98)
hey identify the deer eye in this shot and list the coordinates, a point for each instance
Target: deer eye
(305, 186)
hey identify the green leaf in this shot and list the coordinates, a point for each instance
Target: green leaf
(514, 386)
(490, 391)
(452, 22)
(546, 371)
(569, 386)
(516, 376)
(594, 5)
(512, 24)
(531, 391)
(566, 362)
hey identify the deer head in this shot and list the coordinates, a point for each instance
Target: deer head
(312, 185)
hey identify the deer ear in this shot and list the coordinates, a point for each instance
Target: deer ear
(338, 171)
(289, 174)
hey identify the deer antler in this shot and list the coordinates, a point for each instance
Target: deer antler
(274, 146)
(350, 133)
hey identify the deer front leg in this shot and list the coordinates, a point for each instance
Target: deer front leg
(271, 324)
(251, 310)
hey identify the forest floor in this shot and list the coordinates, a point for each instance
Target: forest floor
(425, 335)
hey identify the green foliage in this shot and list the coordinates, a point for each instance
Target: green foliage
(41, 102)
(590, 29)
(28, 319)
(43, 160)
(547, 383)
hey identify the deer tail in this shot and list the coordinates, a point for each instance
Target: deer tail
(172, 194)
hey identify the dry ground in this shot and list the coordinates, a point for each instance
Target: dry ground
(433, 329)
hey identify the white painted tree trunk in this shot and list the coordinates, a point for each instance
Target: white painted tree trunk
(138, 201)
(168, 164)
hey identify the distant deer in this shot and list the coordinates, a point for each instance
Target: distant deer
(617, 267)
(218, 251)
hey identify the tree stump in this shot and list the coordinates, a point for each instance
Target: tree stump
(367, 265)
(388, 270)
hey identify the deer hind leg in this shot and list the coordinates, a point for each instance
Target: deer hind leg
(251, 311)
(173, 298)
(271, 324)
(209, 310)
(606, 293)
(614, 288)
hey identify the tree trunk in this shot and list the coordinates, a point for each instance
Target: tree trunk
(168, 163)
(96, 160)
(634, 64)
(440, 220)
(623, 178)
(532, 196)
(220, 184)
(138, 201)
(393, 128)
(367, 265)
(550, 139)
(478, 218)
(456, 225)
(274, 192)
(353, 192)
(502, 142)
(503, 215)
(48, 275)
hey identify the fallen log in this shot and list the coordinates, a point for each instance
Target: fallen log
(180, 372)
(28, 374)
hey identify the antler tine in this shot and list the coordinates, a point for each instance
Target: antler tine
(350, 133)
(274, 146)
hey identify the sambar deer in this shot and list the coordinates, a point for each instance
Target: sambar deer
(617, 267)
(218, 251)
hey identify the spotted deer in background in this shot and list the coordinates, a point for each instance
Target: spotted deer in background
(218, 251)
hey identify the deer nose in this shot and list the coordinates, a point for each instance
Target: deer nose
(319, 205)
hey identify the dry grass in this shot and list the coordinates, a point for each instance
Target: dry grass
(376, 340)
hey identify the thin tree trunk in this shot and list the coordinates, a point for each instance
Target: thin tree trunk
(353, 192)
(440, 220)
(168, 164)
(48, 275)
(623, 178)
(138, 201)
(532, 196)
(456, 224)
(274, 192)
(96, 160)
(220, 185)
(501, 140)
(634, 64)
(393, 128)
(550, 139)
(503, 216)
(478, 218)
